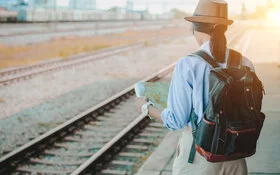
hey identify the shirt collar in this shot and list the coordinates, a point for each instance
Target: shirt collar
(206, 47)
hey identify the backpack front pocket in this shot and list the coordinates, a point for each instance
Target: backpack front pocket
(241, 141)
(204, 135)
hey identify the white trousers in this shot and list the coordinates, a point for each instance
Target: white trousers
(200, 165)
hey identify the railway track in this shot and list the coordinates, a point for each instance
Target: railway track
(23, 73)
(13, 75)
(110, 138)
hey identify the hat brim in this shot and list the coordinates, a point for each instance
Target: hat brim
(207, 19)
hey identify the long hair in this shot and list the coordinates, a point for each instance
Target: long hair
(218, 41)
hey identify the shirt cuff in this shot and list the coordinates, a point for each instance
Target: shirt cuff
(164, 117)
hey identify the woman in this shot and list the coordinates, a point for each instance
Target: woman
(189, 89)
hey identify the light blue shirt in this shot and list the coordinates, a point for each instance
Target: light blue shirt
(189, 89)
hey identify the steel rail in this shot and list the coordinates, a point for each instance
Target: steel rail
(9, 161)
(71, 61)
(96, 158)
(76, 59)
(8, 71)
(63, 64)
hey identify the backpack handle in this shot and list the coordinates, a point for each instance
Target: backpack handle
(234, 60)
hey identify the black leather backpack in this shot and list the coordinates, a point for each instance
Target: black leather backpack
(233, 119)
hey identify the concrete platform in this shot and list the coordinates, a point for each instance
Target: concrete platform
(267, 158)
(161, 160)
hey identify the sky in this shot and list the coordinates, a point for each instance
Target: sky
(156, 6)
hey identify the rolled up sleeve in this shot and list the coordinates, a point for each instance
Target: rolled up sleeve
(177, 114)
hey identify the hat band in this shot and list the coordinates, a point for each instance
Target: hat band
(195, 14)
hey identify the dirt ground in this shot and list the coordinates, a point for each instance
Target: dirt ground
(71, 45)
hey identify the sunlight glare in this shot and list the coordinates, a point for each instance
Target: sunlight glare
(273, 16)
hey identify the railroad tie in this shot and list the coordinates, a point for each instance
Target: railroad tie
(114, 172)
(138, 147)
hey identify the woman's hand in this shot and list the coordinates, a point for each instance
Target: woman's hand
(139, 102)
(153, 111)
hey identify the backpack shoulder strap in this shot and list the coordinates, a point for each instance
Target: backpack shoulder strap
(234, 59)
(206, 57)
(193, 120)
